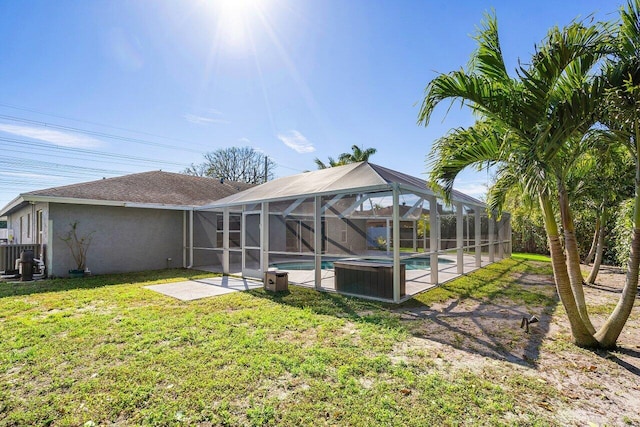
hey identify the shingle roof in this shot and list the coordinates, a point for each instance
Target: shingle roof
(154, 187)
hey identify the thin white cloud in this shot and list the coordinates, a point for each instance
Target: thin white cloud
(244, 140)
(204, 120)
(296, 141)
(64, 139)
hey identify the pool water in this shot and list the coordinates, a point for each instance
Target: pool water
(301, 265)
(416, 263)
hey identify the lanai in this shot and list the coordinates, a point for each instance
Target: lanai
(364, 212)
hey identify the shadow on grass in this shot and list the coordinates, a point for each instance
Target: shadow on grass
(9, 289)
(333, 304)
(479, 313)
(487, 310)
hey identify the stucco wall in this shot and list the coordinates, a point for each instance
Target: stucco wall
(124, 239)
(29, 214)
(354, 241)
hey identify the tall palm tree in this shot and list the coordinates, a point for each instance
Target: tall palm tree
(357, 155)
(622, 115)
(530, 128)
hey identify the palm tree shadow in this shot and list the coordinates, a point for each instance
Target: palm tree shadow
(633, 366)
(485, 328)
(329, 303)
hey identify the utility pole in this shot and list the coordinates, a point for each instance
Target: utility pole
(266, 165)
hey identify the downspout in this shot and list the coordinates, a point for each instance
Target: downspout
(49, 255)
(184, 239)
(190, 239)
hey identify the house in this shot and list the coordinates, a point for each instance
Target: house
(359, 216)
(138, 222)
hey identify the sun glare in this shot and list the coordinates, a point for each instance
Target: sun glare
(234, 19)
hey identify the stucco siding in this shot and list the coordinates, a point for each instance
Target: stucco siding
(23, 224)
(124, 239)
(345, 236)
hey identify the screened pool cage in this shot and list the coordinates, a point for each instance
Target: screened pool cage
(358, 229)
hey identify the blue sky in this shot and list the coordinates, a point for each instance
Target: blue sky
(102, 88)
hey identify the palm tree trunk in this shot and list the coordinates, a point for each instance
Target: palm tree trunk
(581, 335)
(599, 253)
(573, 256)
(610, 331)
(594, 243)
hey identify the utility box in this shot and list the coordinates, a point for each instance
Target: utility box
(276, 281)
(26, 266)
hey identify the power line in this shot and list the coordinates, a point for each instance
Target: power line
(30, 110)
(106, 135)
(86, 151)
(96, 133)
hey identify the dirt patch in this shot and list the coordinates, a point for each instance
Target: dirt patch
(485, 336)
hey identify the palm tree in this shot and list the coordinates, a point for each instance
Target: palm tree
(357, 155)
(332, 163)
(621, 114)
(531, 129)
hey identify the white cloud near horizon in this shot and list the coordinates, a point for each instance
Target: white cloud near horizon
(63, 139)
(296, 141)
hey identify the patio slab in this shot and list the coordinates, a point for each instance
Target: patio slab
(195, 289)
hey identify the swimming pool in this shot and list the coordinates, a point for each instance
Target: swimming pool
(415, 263)
(301, 265)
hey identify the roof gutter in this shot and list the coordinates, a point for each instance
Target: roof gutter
(12, 205)
(94, 202)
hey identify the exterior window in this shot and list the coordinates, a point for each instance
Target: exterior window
(28, 226)
(39, 227)
(343, 232)
(21, 228)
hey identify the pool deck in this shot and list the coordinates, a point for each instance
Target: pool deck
(417, 281)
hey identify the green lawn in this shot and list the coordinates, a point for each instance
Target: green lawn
(530, 257)
(104, 350)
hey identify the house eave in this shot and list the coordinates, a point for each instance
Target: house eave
(26, 198)
(13, 205)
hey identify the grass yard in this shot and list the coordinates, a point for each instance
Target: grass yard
(104, 350)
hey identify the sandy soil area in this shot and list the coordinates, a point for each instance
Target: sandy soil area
(588, 387)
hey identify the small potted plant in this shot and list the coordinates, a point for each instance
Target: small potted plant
(78, 245)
